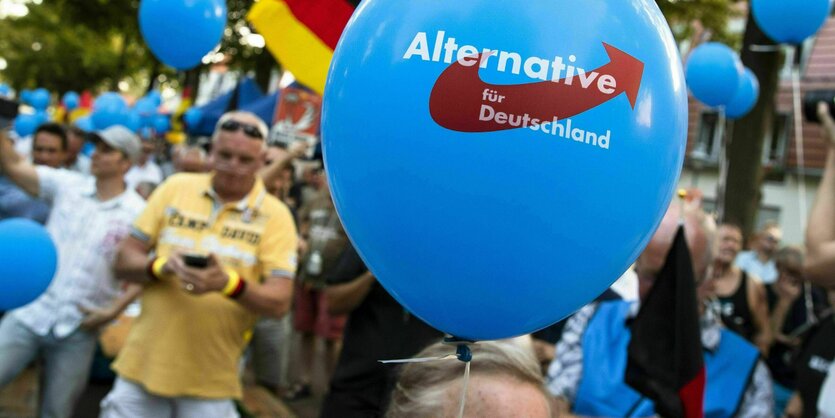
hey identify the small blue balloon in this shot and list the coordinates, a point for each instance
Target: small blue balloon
(71, 100)
(713, 73)
(28, 260)
(181, 32)
(40, 99)
(192, 117)
(26, 96)
(42, 117)
(109, 109)
(133, 121)
(85, 123)
(5, 90)
(746, 96)
(155, 97)
(25, 124)
(791, 21)
(88, 149)
(503, 196)
(162, 123)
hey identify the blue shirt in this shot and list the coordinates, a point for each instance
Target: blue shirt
(15, 203)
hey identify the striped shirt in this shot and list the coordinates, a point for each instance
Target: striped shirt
(86, 232)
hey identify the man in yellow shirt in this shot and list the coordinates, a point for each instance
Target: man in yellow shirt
(224, 253)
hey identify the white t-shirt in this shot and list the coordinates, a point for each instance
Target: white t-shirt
(751, 264)
(148, 173)
(826, 400)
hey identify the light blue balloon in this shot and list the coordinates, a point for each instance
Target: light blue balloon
(40, 99)
(162, 123)
(192, 117)
(155, 97)
(483, 230)
(791, 21)
(5, 90)
(71, 100)
(181, 32)
(26, 96)
(746, 96)
(28, 260)
(85, 123)
(41, 117)
(133, 121)
(109, 109)
(713, 73)
(25, 124)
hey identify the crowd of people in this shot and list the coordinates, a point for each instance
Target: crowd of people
(220, 244)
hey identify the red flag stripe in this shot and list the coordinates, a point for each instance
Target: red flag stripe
(692, 396)
(325, 18)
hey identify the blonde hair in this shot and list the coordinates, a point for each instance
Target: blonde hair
(423, 388)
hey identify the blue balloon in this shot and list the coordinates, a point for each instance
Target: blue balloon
(71, 100)
(25, 124)
(5, 90)
(26, 96)
(713, 73)
(746, 96)
(40, 99)
(162, 123)
(88, 149)
(28, 260)
(790, 21)
(192, 117)
(132, 121)
(502, 199)
(85, 123)
(181, 32)
(109, 109)
(42, 117)
(155, 97)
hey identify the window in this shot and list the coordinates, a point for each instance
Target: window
(789, 53)
(709, 139)
(776, 140)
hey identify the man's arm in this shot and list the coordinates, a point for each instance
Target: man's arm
(18, 170)
(759, 311)
(272, 171)
(132, 260)
(344, 298)
(96, 318)
(820, 235)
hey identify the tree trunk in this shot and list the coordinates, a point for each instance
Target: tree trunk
(743, 185)
(264, 64)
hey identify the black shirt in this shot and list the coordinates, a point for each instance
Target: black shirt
(378, 329)
(813, 365)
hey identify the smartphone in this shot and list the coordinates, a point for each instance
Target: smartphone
(196, 260)
(8, 112)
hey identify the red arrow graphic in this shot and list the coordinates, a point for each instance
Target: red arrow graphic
(459, 94)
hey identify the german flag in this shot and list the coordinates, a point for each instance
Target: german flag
(302, 34)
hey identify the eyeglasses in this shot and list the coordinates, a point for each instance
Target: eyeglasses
(250, 130)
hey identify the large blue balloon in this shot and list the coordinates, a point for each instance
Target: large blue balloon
(162, 123)
(746, 96)
(181, 32)
(28, 259)
(85, 123)
(26, 96)
(495, 201)
(40, 99)
(713, 73)
(133, 121)
(71, 100)
(25, 124)
(109, 109)
(791, 21)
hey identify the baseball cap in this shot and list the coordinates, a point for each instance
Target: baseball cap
(120, 138)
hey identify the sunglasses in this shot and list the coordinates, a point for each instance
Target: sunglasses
(251, 131)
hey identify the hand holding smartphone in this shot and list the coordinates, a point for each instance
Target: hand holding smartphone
(196, 260)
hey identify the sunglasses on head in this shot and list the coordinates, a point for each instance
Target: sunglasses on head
(251, 131)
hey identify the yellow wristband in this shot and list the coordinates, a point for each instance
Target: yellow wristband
(232, 283)
(156, 268)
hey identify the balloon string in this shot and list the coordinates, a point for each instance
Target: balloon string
(798, 144)
(464, 389)
(723, 165)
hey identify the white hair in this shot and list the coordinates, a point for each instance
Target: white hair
(257, 121)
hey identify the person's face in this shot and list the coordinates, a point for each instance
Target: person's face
(769, 240)
(74, 144)
(729, 243)
(790, 274)
(236, 158)
(47, 150)
(107, 162)
(498, 397)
